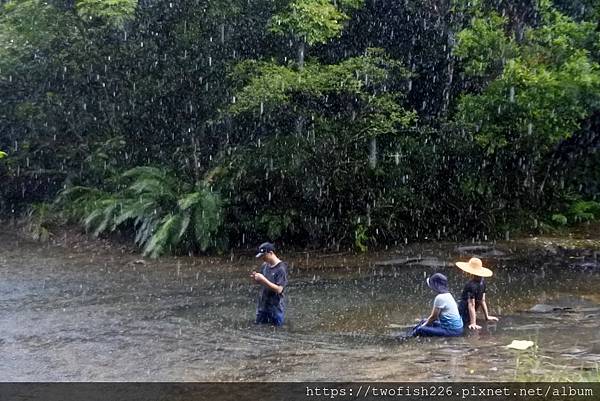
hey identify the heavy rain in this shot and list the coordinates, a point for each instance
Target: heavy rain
(267, 190)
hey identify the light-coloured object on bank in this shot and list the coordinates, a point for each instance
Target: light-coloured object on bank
(521, 345)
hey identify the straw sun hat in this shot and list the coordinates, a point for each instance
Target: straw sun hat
(475, 267)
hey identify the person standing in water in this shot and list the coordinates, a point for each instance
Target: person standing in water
(273, 279)
(473, 295)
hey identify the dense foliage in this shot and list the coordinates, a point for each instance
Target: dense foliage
(196, 125)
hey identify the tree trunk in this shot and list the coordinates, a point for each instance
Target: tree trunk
(373, 153)
(301, 49)
(300, 118)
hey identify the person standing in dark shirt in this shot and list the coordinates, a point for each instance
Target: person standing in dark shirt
(473, 295)
(273, 279)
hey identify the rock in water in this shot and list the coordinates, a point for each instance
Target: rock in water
(543, 308)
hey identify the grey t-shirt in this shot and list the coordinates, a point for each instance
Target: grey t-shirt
(449, 316)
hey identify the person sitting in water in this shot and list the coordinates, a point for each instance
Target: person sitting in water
(473, 295)
(444, 320)
(273, 278)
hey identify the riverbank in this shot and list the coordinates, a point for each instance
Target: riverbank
(580, 240)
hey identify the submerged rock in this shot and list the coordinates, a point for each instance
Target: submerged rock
(484, 251)
(586, 265)
(410, 261)
(544, 308)
(595, 348)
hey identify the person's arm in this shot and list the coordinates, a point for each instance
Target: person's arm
(472, 314)
(435, 314)
(261, 279)
(488, 317)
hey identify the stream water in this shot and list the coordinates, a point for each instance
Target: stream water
(102, 315)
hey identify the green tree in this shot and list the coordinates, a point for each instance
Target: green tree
(312, 22)
(538, 97)
(115, 12)
(473, 114)
(349, 106)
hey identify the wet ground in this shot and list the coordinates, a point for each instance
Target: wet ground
(102, 315)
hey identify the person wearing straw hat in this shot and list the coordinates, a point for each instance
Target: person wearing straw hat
(444, 320)
(473, 295)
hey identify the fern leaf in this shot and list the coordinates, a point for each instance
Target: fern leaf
(165, 237)
(190, 200)
(185, 223)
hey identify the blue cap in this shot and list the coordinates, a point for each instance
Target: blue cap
(438, 282)
(264, 248)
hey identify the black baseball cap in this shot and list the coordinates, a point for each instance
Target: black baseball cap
(265, 247)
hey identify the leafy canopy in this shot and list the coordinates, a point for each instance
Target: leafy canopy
(114, 12)
(268, 85)
(547, 86)
(313, 21)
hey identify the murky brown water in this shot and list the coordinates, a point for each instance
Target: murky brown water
(78, 315)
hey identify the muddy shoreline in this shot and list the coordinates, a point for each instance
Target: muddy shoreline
(582, 241)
